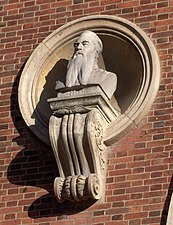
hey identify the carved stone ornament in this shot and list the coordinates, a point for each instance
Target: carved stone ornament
(77, 126)
(81, 114)
(80, 103)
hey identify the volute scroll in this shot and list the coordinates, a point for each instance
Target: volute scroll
(77, 126)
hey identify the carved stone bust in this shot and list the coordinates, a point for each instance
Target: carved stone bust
(83, 67)
(81, 114)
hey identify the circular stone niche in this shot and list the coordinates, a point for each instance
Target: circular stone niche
(127, 51)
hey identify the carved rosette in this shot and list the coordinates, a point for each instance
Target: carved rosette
(76, 130)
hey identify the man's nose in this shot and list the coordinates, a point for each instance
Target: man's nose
(79, 47)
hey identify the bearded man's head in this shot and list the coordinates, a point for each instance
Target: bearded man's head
(84, 60)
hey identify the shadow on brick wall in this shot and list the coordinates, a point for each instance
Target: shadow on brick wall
(167, 203)
(34, 169)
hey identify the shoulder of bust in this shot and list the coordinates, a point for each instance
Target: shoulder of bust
(106, 74)
(98, 70)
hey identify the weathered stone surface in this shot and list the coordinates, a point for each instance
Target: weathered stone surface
(77, 127)
(170, 212)
(128, 52)
(83, 67)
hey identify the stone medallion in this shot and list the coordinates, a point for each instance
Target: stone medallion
(128, 52)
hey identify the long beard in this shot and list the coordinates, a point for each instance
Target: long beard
(79, 69)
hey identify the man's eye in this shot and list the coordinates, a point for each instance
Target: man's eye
(85, 43)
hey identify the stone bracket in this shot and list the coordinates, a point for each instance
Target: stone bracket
(77, 127)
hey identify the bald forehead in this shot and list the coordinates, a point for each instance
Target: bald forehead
(86, 37)
(90, 37)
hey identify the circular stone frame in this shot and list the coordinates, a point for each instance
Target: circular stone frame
(142, 68)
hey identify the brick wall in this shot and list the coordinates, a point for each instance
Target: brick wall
(140, 166)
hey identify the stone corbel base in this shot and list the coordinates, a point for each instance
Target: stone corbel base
(76, 128)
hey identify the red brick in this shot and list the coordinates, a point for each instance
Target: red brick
(80, 221)
(155, 181)
(120, 172)
(137, 189)
(117, 223)
(9, 216)
(151, 220)
(106, 2)
(101, 219)
(138, 176)
(93, 10)
(136, 215)
(13, 6)
(14, 222)
(135, 222)
(59, 3)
